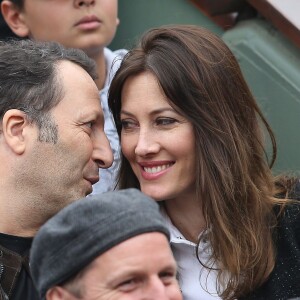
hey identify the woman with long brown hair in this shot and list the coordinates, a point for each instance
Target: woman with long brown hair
(192, 138)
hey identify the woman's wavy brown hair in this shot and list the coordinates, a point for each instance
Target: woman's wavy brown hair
(203, 81)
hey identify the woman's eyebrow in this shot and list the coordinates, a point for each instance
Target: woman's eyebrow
(153, 112)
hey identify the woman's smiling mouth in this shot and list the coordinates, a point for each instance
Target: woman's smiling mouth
(157, 169)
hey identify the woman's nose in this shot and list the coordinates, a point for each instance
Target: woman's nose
(146, 144)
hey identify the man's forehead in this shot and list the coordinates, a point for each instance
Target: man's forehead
(80, 92)
(138, 256)
(67, 67)
(133, 246)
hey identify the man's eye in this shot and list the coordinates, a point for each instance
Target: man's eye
(128, 285)
(165, 121)
(89, 124)
(167, 277)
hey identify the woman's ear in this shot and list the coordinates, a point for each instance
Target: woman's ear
(14, 17)
(14, 125)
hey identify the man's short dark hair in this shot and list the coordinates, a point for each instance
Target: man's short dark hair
(29, 81)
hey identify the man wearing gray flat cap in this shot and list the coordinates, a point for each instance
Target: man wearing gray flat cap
(112, 246)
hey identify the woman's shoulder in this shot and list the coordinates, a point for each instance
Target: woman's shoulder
(291, 211)
(288, 226)
(290, 218)
(288, 214)
(283, 282)
(294, 192)
(287, 187)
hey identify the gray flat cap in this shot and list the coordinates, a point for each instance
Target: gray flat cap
(87, 228)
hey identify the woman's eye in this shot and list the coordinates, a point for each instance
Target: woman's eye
(165, 121)
(128, 124)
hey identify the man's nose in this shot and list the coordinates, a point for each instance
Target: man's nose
(156, 290)
(102, 153)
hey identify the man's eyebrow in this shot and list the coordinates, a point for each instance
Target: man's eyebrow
(137, 271)
(122, 274)
(169, 267)
(96, 114)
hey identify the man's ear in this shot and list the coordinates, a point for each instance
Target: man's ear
(59, 293)
(118, 21)
(14, 17)
(14, 126)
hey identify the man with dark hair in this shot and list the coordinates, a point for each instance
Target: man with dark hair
(89, 25)
(112, 246)
(52, 144)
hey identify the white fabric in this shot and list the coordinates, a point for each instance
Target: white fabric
(107, 176)
(195, 281)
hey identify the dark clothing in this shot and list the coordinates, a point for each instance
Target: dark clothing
(284, 281)
(15, 278)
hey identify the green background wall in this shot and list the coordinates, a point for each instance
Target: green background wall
(271, 65)
(269, 61)
(137, 16)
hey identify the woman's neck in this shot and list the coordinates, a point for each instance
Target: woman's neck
(187, 216)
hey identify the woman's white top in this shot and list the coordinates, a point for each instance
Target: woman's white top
(196, 282)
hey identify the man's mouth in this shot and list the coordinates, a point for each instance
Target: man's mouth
(93, 179)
